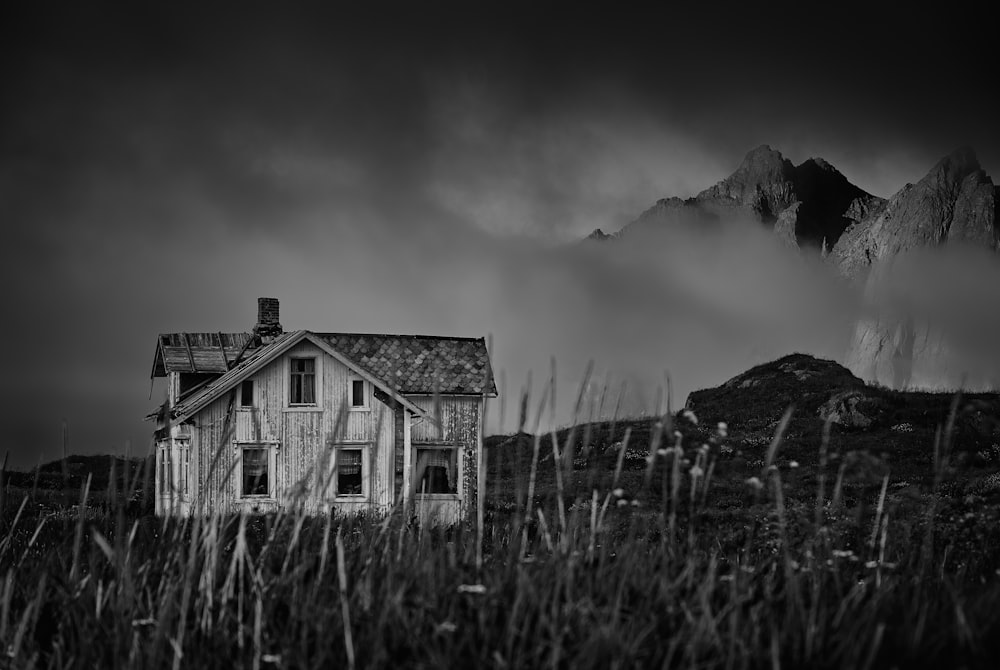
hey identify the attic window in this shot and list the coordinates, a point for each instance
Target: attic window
(359, 397)
(302, 382)
(246, 393)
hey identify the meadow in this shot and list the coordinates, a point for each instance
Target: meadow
(668, 541)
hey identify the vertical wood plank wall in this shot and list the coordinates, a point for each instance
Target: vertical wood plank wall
(305, 437)
(459, 424)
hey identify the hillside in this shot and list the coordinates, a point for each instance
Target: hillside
(887, 430)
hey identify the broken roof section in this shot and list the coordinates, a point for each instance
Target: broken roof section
(420, 364)
(197, 352)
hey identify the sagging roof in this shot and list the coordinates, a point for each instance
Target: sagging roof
(399, 364)
(420, 364)
(197, 352)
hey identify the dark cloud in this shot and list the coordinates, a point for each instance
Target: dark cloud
(414, 168)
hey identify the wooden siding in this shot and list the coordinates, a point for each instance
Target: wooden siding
(304, 438)
(456, 422)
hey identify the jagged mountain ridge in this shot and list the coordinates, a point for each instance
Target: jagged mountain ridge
(813, 205)
(809, 205)
(955, 201)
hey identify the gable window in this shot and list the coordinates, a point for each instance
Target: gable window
(350, 474)
(302, 381)
(359, 394)
(436, 470)
(246, 393)
(256, 471)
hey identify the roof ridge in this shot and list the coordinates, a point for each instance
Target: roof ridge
(421, 337)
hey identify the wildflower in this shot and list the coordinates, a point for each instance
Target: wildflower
(618, 493)
(446, 627)
(696, 472)
(793, 464)
(477, 589)
(662, 452)
(722, 429)
(843, 553)
(690, 416)
(755, 483)
(271, 658)
(635, 503)
(703, 448)
(871, 564)
(678, 435)
(622, 502)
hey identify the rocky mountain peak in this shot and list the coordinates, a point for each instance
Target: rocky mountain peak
(764, 182)
(956, 200)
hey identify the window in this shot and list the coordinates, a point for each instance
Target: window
(185, 463)
(302, 382)
(436, 470)
(166, 481)
(359, 398)
(246, 393)
(350, 471)
(174, 471)
(256, 471)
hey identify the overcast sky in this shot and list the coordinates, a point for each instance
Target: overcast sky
(421, 171)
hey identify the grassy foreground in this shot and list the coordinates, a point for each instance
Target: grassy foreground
(602, 565)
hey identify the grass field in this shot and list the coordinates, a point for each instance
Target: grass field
(653, 543)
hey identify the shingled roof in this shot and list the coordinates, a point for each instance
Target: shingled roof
(197, 352)
(420, 363)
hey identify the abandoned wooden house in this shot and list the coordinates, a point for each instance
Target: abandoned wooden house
(326, 422)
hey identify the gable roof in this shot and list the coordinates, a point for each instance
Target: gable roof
(260, 357)
(197, 352)
(420, 364)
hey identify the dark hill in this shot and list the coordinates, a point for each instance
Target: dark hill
(896, 426)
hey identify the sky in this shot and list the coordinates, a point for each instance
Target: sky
(428, 168)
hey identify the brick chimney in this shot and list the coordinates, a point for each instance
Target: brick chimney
(268, 327)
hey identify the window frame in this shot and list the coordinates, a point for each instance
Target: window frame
(416, 448)
(272, 466)
(366, 462)
(317, 404)
(173, 469)
(365, 394)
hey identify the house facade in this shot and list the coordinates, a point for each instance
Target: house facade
(322, 422)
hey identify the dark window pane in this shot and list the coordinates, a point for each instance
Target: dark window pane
(255, 480)
(358, 393)
(308, 388)
(302, 384)
(349, 472)
(437, 471)
(246, 394)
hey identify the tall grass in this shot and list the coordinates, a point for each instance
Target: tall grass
(606, 577)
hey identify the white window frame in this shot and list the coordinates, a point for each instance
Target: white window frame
(272, 468)
(459, 464)
(173, 469)
(332, 492)
(317, 405)
(366, 394)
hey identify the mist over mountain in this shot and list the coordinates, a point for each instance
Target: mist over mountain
(809, 205)
(922, 262)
